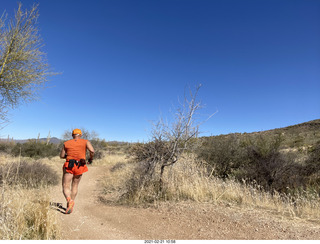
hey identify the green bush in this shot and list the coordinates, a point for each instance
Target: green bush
(312, 166)
(6, 147)
(259, 159)
(98, 146)
(224, 155)
(270, 168)
(35, 149)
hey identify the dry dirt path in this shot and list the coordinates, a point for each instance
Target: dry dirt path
(93, 220)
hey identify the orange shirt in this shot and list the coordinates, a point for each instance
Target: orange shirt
(76, 149)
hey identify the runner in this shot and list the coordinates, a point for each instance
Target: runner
(74, 151)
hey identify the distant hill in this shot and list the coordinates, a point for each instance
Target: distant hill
(53, 140)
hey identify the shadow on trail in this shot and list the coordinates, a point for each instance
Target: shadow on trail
(58, 207)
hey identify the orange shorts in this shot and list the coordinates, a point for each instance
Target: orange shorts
(76, 170)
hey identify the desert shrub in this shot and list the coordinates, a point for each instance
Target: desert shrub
(27, 174)
(170, 139)
(224, 155)
(99, 147)
(6, 147)
(141, 187)
(312, 167)
(270, 168)
(154, 151)
(35, 149)
(143, 183)
(117, 167)
(256, 158)
(314, 157)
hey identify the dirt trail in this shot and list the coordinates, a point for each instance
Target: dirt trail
(92, 220)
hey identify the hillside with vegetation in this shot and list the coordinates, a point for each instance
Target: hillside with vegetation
(284, 159)
(294, 136)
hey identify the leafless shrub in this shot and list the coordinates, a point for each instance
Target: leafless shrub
(27, 174)
(169, 142)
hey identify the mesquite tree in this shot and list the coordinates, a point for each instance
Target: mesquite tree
(23, 66)
(169, 140)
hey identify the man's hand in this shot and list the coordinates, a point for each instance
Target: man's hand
(90, 161)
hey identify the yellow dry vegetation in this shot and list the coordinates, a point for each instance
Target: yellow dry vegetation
(189, 180)
(25, 213)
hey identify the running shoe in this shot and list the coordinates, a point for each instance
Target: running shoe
(70, 206)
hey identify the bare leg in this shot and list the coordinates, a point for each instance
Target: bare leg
(74, 188)
(66, 182)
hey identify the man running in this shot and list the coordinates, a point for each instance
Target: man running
(74, 151)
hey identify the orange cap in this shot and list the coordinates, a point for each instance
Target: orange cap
(76, 131)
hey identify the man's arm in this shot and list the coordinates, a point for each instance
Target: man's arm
(63, 153)
(91, 150)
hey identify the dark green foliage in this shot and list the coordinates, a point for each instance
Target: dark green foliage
(265, 159)
(35, 149)
(224, 155)
(312, 167)
(28, 174)
(6, 147)
(314, 157)
(271, 168)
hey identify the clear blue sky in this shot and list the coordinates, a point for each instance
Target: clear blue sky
(125, 63)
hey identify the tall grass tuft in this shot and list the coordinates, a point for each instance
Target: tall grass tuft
(119, 169)
(25, 212)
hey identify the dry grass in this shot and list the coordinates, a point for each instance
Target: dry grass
(189, 180)
(111, 159)
(55, 163)
(26, 215)
(25, 212)
(119, 171)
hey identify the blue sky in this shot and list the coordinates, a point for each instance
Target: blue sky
(126, 63)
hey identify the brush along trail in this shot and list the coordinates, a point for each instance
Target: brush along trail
(93, 220)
